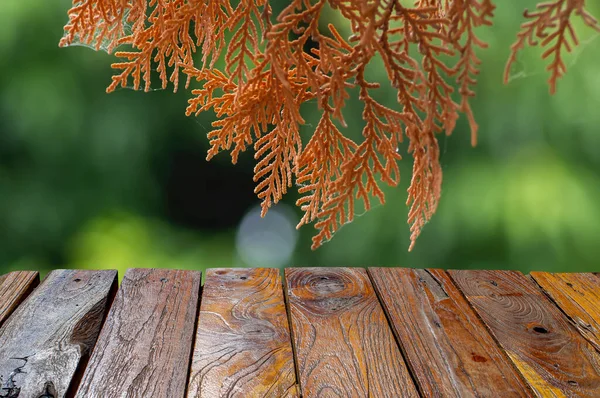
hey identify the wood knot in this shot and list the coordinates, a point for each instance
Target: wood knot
(327, 291)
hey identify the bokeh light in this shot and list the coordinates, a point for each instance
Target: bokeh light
(268, 241)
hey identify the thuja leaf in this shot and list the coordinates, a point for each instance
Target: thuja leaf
(268, 74)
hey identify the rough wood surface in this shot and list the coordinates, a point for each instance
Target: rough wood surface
(344, 345)
(145, 344)
(448, 349)
(578, 296)
(51, 334)
(14, 288)
(243, 346)
(553, 357)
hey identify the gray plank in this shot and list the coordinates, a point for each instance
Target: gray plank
(145, 346)
(50, 335)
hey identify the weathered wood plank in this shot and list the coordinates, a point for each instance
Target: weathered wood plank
(14, 288)
(578, 295)
(448, 349)
(49, 336)
(343, 342)
(145, 345)
(551, 355)
(243, 346)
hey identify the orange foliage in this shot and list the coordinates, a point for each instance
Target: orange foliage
(268, 75)
(551, 24)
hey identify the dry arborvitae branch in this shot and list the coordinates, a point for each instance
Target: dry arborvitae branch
(269, 74)
(550, 26)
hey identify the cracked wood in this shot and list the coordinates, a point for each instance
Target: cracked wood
(578, 295)
(145, 344)
(554, 359)
(48, 338)
(243, 346)
(14, 288)
(342, 339)
(448, 349)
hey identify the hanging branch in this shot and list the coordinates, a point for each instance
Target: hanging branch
(268, 75)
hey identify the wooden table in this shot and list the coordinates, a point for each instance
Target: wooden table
(313, 332)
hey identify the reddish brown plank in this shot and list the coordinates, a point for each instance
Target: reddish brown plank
(578, 296)
(554, 359)
(344, 345)
(448, 349)
(14, 288)
(243, 346)
(49, 336)
(145, 344)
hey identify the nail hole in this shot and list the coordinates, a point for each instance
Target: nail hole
(323, 278)
(244, 278)
(572, 382)
(540, 329)
(77, 280)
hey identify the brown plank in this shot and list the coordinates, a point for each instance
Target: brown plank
(578, 296)
(551, 355)
(145, 344)
(49, 336)
(243, 346)
(448, 349)
(14, 288)
(344, 345)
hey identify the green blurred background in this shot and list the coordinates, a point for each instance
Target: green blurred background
(93, 180)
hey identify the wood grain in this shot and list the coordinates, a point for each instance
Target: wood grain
(344, 345)
(243, 346)
(50, 335)
(14, 288)
(548, 351)
(144, 347)
(448, 349)
(578, 296)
